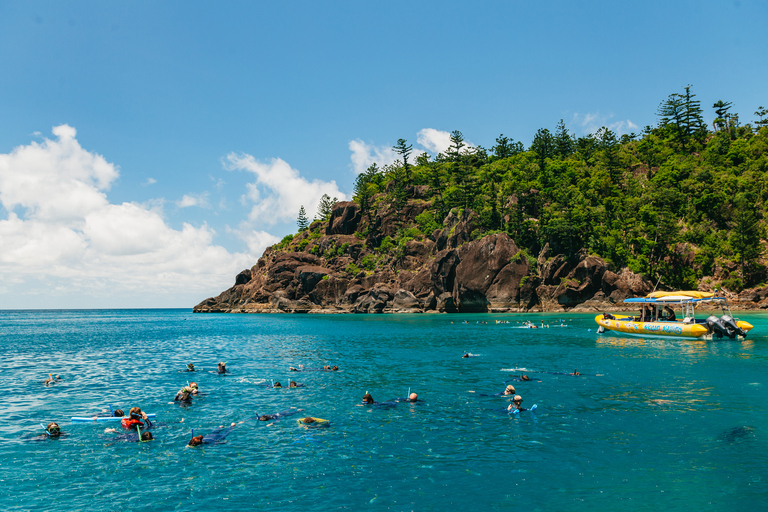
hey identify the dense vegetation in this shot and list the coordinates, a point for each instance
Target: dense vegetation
(679, 202)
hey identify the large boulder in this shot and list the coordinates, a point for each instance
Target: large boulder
(443, 272)
(374, 301)
(345, 216)
(480, 264)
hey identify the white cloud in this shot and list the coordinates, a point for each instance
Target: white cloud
(364, 155)
(63, 241)
(591, 122)
(437, 141)
(188, 200)
(279, 190)
(150, 181)
(433, 141)
(257, 241)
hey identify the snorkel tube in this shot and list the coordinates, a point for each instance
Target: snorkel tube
(46, 429)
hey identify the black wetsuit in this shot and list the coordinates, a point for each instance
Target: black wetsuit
(276, 416)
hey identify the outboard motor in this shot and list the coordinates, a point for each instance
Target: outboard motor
(715, 326)
(730, 324)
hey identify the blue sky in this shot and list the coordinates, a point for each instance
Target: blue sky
(189, 131)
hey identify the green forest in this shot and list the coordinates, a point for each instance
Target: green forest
(678, 202)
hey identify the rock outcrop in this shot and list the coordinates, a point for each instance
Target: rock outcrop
(337, 266)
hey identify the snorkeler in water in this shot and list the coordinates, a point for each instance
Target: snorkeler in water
(51, 380)
(295, 384)
(53, 429)
(190, 367)
(218, 435)
(131, 437)
(222, 368)
(310, 422)
(516, 404)
(368, 400)
(278, 415)
(134, 418)
(184, 395)
(413, 397)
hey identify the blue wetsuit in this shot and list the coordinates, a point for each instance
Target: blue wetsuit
(218, 435)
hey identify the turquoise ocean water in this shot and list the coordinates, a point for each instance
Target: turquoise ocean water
(652, 424)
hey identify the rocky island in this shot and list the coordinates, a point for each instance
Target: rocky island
(571, 223)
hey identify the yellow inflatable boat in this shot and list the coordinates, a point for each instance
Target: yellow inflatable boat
(658, 317)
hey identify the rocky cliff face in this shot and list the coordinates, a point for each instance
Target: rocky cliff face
(332, 268)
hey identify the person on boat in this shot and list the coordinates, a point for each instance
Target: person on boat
(510, 390)
(670, 314)
(222, 368)
(134, 418)
(516, 404)
(190, 367)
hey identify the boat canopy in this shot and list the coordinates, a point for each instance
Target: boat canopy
(687, 294)
(675, 297)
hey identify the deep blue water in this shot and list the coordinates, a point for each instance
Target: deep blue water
(651, 424)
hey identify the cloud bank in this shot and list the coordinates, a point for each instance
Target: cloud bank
(61, 237)
(279, 190)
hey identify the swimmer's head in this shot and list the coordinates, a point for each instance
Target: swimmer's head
(195, 441)
(326, 367)
(335, 368)
(293, 384)
(277, 385)
(524, 377)
(517, 399)
(367, 398)
(510, 390)
(135, 412)
(222, 367)
(465, 355)
(53, 429)
(413, 397)
(308, 420)
(265, 417)
(191, 367)
(119, 413)
(146, 436)
(193, 385)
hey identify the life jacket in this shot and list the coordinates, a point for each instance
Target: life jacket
(130, 424)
